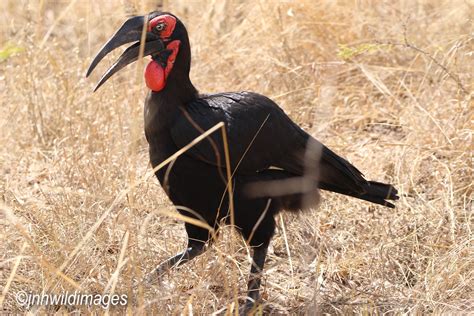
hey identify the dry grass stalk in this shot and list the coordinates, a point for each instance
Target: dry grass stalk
(401, 113)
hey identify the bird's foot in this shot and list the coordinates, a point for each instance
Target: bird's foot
(249, 308)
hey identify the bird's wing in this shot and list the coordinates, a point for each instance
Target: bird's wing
(260, 134)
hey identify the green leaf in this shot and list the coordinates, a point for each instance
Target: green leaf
(346, 52)
(9, 50)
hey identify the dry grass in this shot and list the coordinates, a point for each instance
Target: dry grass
(67, 155)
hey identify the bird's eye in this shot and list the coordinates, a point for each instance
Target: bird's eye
(160, 26)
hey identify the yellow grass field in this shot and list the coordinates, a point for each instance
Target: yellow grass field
(386, 84)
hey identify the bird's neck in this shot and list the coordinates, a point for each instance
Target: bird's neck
(162, 107)
(179, 90)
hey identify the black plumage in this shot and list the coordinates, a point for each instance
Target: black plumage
(276, 165)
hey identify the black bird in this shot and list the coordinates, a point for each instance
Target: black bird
(275, 164)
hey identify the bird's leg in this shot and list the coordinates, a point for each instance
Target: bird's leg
(194, 249)
(258, 260)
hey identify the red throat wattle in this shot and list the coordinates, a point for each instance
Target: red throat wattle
(155, 74)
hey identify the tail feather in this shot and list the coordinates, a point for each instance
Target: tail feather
(338, 175)
(379, 193)
(376, 192)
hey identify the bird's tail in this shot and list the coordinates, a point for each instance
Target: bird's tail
(340, 176)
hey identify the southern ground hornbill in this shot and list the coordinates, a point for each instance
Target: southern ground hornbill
(275, 164)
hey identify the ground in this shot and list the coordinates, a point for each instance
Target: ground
(386, 85)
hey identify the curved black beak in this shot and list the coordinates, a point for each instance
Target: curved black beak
(130, 31)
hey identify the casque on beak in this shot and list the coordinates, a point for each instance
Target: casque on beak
(130, 31)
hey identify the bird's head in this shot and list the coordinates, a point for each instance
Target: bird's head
(165, 40)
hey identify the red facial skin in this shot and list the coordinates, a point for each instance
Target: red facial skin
(168, 20)
(155, 74)
(174, 47)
